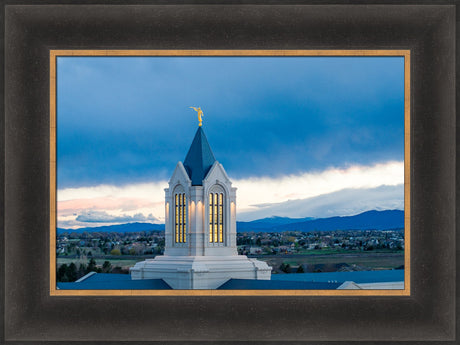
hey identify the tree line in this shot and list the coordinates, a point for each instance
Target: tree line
(70, 273)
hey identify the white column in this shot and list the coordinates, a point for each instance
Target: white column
(168, 228)
(196, 221)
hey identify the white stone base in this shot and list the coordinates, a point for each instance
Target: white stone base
(200, 272)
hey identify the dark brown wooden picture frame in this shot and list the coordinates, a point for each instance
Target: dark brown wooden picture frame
(31, 315)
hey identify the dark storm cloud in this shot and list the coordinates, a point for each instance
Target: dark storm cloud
(127, 120)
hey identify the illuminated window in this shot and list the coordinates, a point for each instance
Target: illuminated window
(184, 220)
(177, 217)
(216, 217)
(210, 217)
(220, 217)
(180, 212)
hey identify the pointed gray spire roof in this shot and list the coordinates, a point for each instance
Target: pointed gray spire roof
(199, 158)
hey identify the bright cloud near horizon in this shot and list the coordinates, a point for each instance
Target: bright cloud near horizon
(298, 136)
(104, 204)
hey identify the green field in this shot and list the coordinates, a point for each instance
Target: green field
(359, 261)
(333, 251)
(328, 262)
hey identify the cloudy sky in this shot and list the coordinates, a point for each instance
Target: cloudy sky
(298, 136)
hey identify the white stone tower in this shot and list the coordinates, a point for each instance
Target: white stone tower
(200, 227)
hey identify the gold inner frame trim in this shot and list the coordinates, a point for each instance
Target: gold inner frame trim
(98, 52)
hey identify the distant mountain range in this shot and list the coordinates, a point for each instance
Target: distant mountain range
(266, 224)
(128, 227)
(378, 220)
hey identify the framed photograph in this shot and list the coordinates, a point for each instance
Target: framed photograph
(111, 171)
(78, 132)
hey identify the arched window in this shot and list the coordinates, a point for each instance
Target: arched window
(216, 216)
(180, 217)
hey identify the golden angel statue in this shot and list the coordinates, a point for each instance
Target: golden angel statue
(200, 114)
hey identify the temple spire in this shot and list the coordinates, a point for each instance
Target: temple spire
(199, 158)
